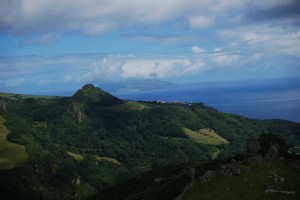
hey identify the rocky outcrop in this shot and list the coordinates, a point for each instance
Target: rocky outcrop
(237, 167)
(207, 176)
(272, 153)
(159, 180)
(252, 153)
(3, 106)
(254, 160)
(76, 112)
(253, 147)
(288, 193)
(234, 168)
(76, 180)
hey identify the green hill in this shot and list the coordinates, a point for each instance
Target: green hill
(91, 94)
(80, 145)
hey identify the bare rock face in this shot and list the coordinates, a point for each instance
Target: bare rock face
(272, 154)
(3, 105)
(207, 176)
(76, 180)
(233, 169)
(76, 112)
(253, 147)
(159, 180)
(236, 170)
(252, 153)
(254, 160)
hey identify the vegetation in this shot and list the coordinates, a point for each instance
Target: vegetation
(164, 183)
(83, 144)
(266, 140)
(112, 160)
(183, 180)
(11, 154)
(205, 136)
(129, 106)
(91, 94)
(18, 97)
(250, 185)
(77, 157)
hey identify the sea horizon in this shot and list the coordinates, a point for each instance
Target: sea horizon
(264, 100)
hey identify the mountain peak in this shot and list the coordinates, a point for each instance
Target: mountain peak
(89, 86)
(91, 94)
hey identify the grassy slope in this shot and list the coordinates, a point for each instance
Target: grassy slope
(205, 136)
(128, 106)
(112, 160)
(250, 185)
(12, 96)
(11, 154)
(79, 157)
(215, 154)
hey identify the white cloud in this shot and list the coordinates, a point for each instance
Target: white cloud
(218, 49)
(99, 16)
(160, 68)
(81, 69)
(201, 21)
(196, 49)
(276, 40)
(225, 59)
(116, 67)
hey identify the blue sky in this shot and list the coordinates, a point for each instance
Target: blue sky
(59, 45)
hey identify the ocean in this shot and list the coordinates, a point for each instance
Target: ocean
(268, 99)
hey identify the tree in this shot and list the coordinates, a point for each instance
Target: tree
(266, 140)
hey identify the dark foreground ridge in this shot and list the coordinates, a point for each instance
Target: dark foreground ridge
(254, 175)
(75, 147)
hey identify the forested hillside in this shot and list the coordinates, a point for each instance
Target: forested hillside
(76, 146)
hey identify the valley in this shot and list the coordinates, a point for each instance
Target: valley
(75, 147)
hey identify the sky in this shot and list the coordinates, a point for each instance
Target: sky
(49, 46)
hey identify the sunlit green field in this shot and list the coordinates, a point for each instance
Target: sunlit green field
(80, 157)
(205, 136)
(129, 106)
(11, 154)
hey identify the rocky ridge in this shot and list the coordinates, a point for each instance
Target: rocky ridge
(235, 167)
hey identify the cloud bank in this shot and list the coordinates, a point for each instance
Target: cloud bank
(173, 39)
(101, 16)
